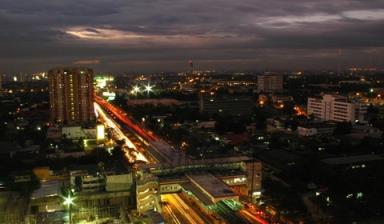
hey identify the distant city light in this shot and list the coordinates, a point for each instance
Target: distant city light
(102, 81)
(148, 88)
(135, 90)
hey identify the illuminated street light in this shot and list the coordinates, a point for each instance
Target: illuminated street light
(69, 201)
(148, 88)
(135, 90)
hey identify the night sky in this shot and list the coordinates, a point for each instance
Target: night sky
(150, 35)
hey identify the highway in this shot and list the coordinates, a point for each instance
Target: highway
(182, 210)
(143, 145)
(229, 215)
(131, 151)
(123, 117)
(170, 216)
(251, 217)
(159, 149)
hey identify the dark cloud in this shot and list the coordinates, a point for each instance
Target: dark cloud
(125, 35)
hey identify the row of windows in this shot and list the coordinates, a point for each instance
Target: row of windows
(340, 112)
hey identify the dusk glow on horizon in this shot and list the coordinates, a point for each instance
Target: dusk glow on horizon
(162, 35)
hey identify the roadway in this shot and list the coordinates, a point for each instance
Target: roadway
(229, 215)
(123, 117)
(251, 217)
(131, 151)
(157, 148)
(139, 143)
(170, 216)
(181, 210)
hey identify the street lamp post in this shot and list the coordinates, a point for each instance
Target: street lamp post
(148, 88)
(68, 201)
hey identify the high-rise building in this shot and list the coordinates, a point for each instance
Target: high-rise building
(71, 96)
(269, 83)
(336, 108)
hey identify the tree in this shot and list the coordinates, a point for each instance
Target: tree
(343, 128)
(117, 153)
(229, 123)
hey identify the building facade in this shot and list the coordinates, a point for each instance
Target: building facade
(336, 108)
(269, 83)
(71, 96)
(315, 129)
(147, 192)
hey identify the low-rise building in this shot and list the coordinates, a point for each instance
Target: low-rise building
(336, 108)
(77, 132)
(313, 129)
(212, 187)
(206, 124)
(13, 207)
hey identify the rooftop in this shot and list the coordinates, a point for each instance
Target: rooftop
(47, 189)
(352, 159)
(8, 147)
(197, 193)
(211, 185)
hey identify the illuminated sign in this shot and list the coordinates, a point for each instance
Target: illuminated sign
(110, 95)
(100, 132)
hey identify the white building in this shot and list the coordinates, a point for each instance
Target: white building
(315, 129)
(269, 83)
(77, 132)
(119, 182)
(336, 108)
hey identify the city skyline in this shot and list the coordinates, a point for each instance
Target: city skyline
(191, 111)
(163, 35)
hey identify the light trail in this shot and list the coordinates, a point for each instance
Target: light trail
(189, 210)
(170, 212)
(120, 136)
(252, 217)
(178, 204)
(122, 116)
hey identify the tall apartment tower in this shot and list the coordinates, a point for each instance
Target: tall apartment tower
(71, 95)
(269, 83)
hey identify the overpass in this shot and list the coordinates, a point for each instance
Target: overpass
(173, 167)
